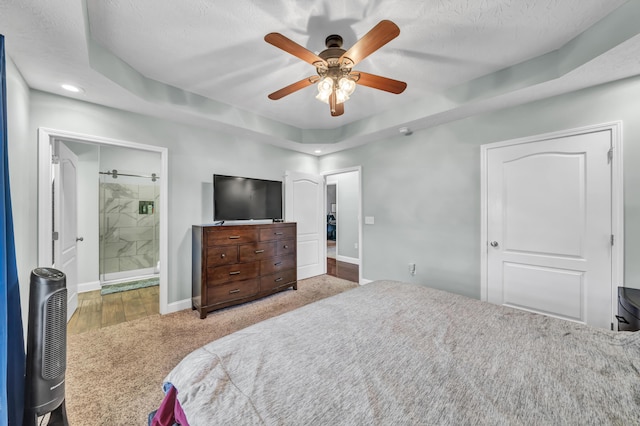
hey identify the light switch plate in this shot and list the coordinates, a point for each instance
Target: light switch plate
(369, 220)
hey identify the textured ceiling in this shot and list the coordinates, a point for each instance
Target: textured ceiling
(206, 63)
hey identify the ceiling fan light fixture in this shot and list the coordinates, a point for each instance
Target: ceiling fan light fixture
(347, 85)
(343, 88)
(341, 96)
(325, 85)
(323, 97)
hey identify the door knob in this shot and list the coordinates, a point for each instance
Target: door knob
(494, 244)
(79, 239)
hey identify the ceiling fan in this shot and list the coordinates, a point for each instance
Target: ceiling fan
(336, 77)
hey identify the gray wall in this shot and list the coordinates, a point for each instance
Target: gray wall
(424, 189)
(23, 180)
(129, 160)
(194, 155)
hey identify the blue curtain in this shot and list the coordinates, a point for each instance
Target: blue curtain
(12, 354)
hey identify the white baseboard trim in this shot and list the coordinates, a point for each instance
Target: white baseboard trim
(180, 305)
(89, 286)
(123, 277)
(346, 259)
(365, 281)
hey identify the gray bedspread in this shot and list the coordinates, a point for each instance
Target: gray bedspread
(392, 353)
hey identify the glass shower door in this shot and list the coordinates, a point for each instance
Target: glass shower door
(129, 228)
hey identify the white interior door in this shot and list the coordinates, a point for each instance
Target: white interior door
(304, 196)
(549, 227)
(66, 222)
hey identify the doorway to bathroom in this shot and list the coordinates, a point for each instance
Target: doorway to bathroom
(129, 220)
(121, 228)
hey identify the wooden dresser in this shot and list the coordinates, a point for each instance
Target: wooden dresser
(239, 263)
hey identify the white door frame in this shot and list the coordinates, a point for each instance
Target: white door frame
(337, 172)
(46, 138)
(617, 203)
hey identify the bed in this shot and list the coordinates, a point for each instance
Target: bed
(404, 354)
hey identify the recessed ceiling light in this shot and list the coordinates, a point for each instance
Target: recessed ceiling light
(318, 151)
(72, 88)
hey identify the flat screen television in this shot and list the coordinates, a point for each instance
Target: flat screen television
(242, 198)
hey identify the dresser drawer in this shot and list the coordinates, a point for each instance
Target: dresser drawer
(279, 279)
(257, 251)
(221, 255)
(283, 232)
(285, 247)
(232, 291)
(235, 272)
(230, 235)
(276, 264)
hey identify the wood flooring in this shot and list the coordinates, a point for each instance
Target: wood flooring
(97, 311)
(344, 270)
(339, 269)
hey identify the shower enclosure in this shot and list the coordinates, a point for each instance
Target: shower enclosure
(129, 226)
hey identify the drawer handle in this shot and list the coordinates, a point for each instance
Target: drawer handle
(223, 255)
(237, 290)
(234, 273)
(278, 279)
(286, 246)
(278, 233)
(259, 251)
(234, 237)
(277, 264)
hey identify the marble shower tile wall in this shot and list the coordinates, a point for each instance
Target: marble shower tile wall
(129, 240)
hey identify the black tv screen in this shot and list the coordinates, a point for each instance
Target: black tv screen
(241, 198)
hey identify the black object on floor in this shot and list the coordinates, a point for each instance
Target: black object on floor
(628, 309)
(46, 348)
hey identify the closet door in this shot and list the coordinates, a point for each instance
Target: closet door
(549, 223)
(304, 197)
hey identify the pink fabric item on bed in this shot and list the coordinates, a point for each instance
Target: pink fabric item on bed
(170, 412)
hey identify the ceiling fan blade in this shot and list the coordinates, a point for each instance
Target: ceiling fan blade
(290, 46)
(339, 110)
(305, 82)
(377, 37)
(380, 83)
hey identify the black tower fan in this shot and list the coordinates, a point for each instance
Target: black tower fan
(46, 347)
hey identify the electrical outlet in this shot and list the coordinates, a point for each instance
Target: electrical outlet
(412, 268)
(355, 245)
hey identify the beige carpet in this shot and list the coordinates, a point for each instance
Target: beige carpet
(114, 375)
